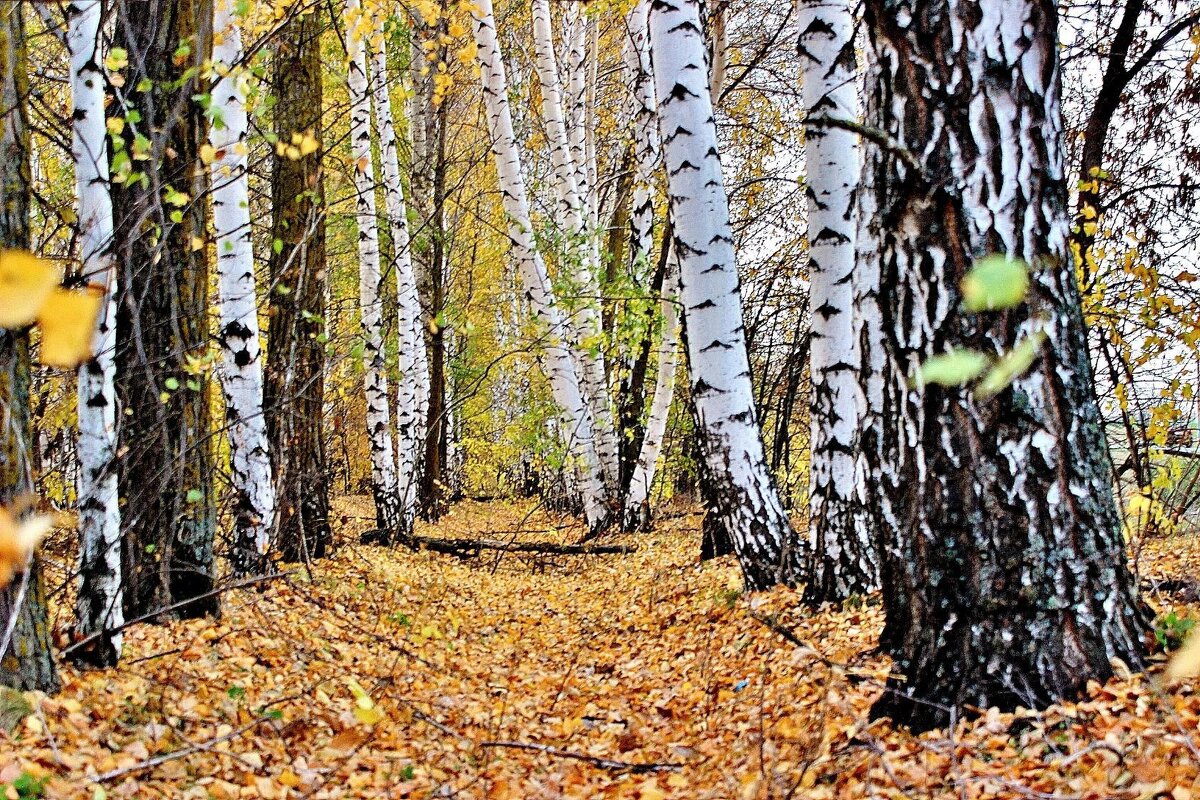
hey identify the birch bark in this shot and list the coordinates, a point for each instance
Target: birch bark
(99, 595)
(241, 352)
(842, 556)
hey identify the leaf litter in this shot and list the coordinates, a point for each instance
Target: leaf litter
(390, 673)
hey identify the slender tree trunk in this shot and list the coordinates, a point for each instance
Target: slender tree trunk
(241, 351)
(842, 555)
(647, 147)
(166, 467)
(718, 365)
(412, 388)
(295, 379)
(637, 501)
(98, 599)
(577, 417)
(1005, 579)
(435, 486)
(26, 661)
(379, 418)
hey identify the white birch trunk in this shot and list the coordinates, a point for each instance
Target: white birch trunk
(580, 255)
(637, 507)
(718, 365)
(98, 603)
(577, 89)
(241, 353)
(645, 136)
(577, 417)
(383, 465)
(412, 388)
(843, 560)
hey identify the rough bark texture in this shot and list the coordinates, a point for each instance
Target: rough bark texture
(718, 365)
(295, 379)
(98, 598)
(237, 296)
(370, 279)
(577, 418)
(1005, 579)
(842, 555)
(26, 661)
(166, 464)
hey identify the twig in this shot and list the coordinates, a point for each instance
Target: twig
(181, 753)
(879, 137)
(462, 547)
(173, 607)
(602, 763)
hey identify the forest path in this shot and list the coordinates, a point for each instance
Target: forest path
(646, 659)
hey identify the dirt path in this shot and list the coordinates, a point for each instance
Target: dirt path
(597, 666)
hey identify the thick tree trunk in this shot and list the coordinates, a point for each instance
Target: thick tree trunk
(412, 386)
(842, 555)
(718, 365)
(166, 467)
(98, 599)
(295, 379)
(1005, 579)
(379, 417)
(577, 417)
(241, 351)
(26, 661)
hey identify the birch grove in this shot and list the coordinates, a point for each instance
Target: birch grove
(577, 423)
(98, 603)
(241, 353)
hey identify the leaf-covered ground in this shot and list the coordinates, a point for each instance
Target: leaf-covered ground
(646, 659)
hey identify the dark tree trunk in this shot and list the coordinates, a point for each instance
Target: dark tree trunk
(27, 662)
(1005, 580)
(166, 461)
(435, 483)
(295, 377)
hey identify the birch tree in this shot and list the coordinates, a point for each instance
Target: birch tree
(719, 369)
(1005, 580)
(577, 418)
(637, 508)
(241, 353)
(379, 418)
(647, 147)
(843, 561)
(98, 596)
(412, 388)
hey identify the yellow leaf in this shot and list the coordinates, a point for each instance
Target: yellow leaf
(17, 540)
(369, 716)
(68, 320)
(207, 153)
(26, 281)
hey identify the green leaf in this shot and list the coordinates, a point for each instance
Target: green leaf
(171, 383)
(952, 368)
(194, 495)
(1011, 366)
(994, 283)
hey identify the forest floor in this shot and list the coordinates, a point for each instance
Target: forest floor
(389, 673)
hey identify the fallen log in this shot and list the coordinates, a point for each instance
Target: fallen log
(472, 547)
